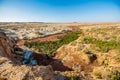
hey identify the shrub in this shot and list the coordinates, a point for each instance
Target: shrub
(104, 46)
(50, 47)
(98, 75)
(115, 75)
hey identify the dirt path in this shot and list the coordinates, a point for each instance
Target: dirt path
(49, 38)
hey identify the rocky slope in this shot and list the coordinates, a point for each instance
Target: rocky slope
(90, 60)
(11, 67)
(6, 46)
(11, 71)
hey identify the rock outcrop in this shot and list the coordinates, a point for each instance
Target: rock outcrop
(12, 69)
(6, 46)
(75, 59)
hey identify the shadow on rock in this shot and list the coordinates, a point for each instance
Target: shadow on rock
(57, 65)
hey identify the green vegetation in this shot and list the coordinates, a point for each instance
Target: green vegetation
(98, 75)
(39, 33)
(104, 46)
(50, 47)
(115, 75)
(72, 78)
(69, 37)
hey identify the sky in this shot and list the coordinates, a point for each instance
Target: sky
(59, 10)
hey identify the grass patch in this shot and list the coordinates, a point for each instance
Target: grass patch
(98, 75)
(115, 75)
(104, 46)
(50, 47)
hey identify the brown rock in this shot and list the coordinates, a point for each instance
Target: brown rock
(6, 46)
(10, 71)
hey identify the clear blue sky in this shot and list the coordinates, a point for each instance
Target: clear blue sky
(59, 10)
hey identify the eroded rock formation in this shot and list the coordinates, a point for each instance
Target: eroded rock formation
(6, 46)
(10, 70)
